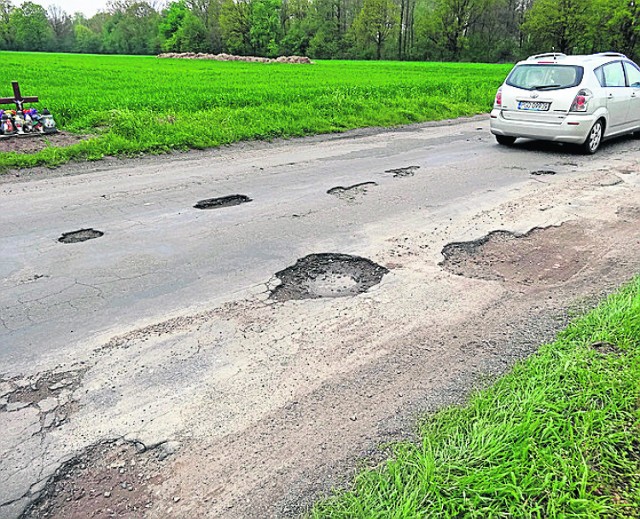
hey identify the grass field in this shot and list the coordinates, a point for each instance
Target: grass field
(557, 437)
(133, 104)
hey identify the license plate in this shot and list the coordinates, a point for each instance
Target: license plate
(534, 106)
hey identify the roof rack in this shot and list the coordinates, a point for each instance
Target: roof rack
(610, 55)
(554, 55)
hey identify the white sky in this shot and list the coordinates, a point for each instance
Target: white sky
(87, 7)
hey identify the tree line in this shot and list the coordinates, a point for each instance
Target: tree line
(442, 30)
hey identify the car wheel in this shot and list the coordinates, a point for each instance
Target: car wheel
(505, 140)
(594, 139)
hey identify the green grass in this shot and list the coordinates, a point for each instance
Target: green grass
(557, 437)
(137, 104)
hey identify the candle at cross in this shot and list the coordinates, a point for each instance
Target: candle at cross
(17, 98)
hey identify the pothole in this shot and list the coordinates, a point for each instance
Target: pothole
(610, 181)
(351, 192)
(223, 201)
(409, 171)
(606, 348)
(629, 213)
(541, 256)
(327, 275)
(51, 394)
(44, 387)
(80, 235)
(538, 172)
(110, 479)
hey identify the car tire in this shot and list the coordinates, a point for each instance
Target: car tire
(505, 140)
(594, 139)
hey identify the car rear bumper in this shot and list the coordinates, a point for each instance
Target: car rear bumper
(573, 128)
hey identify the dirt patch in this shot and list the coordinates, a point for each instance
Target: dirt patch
(37, 142)
(409, 171)
(223, 201)
(350, 193)
(606, 348)
(80, 236)
(539, 172)
(541, 256)
(327, 275)
(111, 479)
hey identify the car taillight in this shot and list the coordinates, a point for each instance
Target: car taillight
(498, 102)
(581, 101)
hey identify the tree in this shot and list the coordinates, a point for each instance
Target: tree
(85, 40)
(208, 12)
(62, 26)
(621, 25)
(235, 25)
(192, 35)
(264, 31)
(132, 28)
(31, 26)
(7, 32)
(559, 24)
(170, 24)
(374, 23)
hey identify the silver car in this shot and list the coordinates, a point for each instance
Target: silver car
(575, 99)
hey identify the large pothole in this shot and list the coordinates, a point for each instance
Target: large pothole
(110, 479)
(50, 393)
(80, 235)
(223, 201)
(327, 275)
(541, 256)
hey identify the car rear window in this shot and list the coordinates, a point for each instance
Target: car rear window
(545, 77)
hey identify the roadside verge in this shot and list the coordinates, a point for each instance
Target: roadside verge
(556, 436)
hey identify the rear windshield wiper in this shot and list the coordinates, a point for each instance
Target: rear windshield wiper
(545, 87)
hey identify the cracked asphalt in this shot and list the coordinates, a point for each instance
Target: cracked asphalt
(160, 333)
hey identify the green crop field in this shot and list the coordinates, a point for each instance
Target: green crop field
(130, 104)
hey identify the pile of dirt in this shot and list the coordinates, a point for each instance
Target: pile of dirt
(230, 57)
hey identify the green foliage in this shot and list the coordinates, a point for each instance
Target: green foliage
(30, 26)
(130, 104)
(556, 437)
(86, 41)
(559, 24)
(182, 31)
(235, 25)
(450, 30)
(7, 31)
(375, 23)
(171, 22)
(133, 29)
(264, 23)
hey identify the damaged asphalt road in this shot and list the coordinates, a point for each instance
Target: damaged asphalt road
(159, 360)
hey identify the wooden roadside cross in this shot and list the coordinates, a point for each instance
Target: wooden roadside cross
(17, 98)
